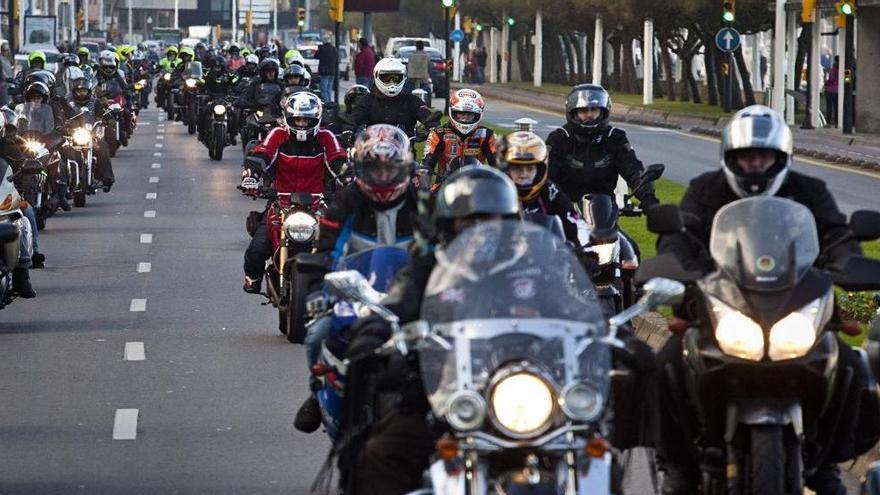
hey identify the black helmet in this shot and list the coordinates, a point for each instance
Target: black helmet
(474, 191)
(44, 76)
(263, 52)
(267, 65)
(69, 60)
(353, 94)
(200, 47)
(295, 71)
(82, 90)
(38, 89)
(588, 96)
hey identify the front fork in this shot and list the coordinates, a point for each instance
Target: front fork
(282, 256)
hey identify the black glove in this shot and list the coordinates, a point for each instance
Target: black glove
(367, 335)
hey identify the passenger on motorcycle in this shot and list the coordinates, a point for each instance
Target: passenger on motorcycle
(756, 157)
(82, 96)
(218, 84)
(378, 209)
(523, 155)
(249, 68)
(297, 157)
(388, 104)
(462, 135)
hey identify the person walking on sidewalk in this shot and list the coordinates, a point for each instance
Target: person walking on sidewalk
(328, 61)
(417, 68)
(831, 81)
(482, 57)
(364, 62)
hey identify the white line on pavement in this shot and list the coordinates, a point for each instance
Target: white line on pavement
(150, 214)
(154, 180)
(158, 153)
(125, 424)
(157, 165)
(146, 238)
(134, 351)
(159, 136)
(138, 305)
(151, 196)
(145, 123)
(159, 145)
(144, 267)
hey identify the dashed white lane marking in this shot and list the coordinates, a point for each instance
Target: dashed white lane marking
(145, 267)
(159, 136)
(125, 424)
(157, 165)
(158, 153)
(134, 351)
(146, 238)
(159, 145)
(150, 214)
(145, 123)
(151, 196)
(154, 180)
(138, 305)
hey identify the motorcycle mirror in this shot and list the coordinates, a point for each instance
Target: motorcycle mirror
(352, 285)
(658, 291)
(665, 219)
(865, 225)
(856, 273)
(653, 172)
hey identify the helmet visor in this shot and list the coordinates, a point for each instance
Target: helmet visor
(391, 78)
(587, 98)
(465, 117)
(383, 174)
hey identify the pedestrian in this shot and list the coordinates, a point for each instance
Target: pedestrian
(482, 57)
(328, 62)
(472, 66)
(6, 70)
(831, 82)
(417, 67)
(364, 62)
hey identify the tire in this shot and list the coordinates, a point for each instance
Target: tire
(41, 219)
(169, 107)
(296, 308)
(112, 144)
(774, 462)
(218, 142)
(191, 119)
(79, 198)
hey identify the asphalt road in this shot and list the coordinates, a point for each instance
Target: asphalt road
(217, 388)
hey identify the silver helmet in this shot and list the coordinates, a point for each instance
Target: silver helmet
(756, 127)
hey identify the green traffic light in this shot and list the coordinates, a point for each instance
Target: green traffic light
(448, 3)
(301, 23)
(727, 16)
(846, 9)
(479, 27)
(510, 21)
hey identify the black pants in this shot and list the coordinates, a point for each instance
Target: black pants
(673, 447)
(103, 165)
(396, 454)
(258, 252)
(831, 108)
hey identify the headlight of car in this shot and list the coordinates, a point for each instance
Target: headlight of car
(606, 252)
(465, 410)
(190, 83)
(301, 227)
(581, 401)
(219, 109)
(522, 404)
(794, 335)
(737, 334)
(82, 137)
(167, 76)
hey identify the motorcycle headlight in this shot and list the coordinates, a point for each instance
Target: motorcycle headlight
(522, 404)
(35, 147)
(167, 76)
(139, 85)
(219, 109)
(190, 83)
(581, 401)
(301, 227)
(794, 335)
(606, 252)
(737, 334)
(259, 113)
(465, 410)
(82, 137)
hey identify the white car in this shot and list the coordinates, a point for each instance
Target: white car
(395, 44)
(310, 54)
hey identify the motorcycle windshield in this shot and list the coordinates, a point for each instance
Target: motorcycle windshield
(269, 95)
(194, 70)
(35, 117)
(764, 243)
(378, 265)
(504, 295)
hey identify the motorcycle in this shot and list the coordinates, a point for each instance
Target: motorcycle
(84, 139)
(613, 257)
(12, 228)
(217, 135)
(35, 125)
(762, 366)
(186, 100)
(165, 95)
(257, 125)
(514, 356)
(292, 225)
(113, 132)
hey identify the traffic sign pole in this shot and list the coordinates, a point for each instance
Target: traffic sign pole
(728, 41)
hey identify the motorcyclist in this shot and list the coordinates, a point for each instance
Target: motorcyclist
(170, 61)
(112, 86)
(756, 157)
(388, 104)
(235, 60)
(249, 68)
(263, 53)
(297, 157)
(201, 52)
(337, 124)
(82, 96)
(462, 135)
(268, 75)
(378, 209)
(523, 156)
(36, 62)
(85, 56)
(218, 84)
(295, 79)
(10, 150)
(587, 155)
(186, 56)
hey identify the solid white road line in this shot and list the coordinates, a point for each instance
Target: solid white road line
(154, 180)
(134, 351)
(150, 214)
(157, 165)
(125, 424)
(151, 196)
(138, 305)
(144, 267)
(146, 238)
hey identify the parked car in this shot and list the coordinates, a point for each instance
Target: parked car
(310, 53)
(393, 46)
(436, 69)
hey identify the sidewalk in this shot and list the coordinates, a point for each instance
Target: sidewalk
(859, 151)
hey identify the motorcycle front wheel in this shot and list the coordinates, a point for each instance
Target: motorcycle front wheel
(218, 142)
(296, 309)
(191, 119)
(79, 198)
(775, 465)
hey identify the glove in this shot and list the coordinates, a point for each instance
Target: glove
(648, 202)
(369, 334)
(249, 186)
(316, 303)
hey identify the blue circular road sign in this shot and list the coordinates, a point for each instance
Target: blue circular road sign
(457, 36)
(728, 39)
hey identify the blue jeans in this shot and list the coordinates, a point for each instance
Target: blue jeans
(364, 81)
(327, 88)
(315, 336)
(31, 216)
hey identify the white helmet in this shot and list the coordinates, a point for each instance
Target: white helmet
(465, 110)
(302, 105)
(389, 76)
(252, 59)
(756, 127)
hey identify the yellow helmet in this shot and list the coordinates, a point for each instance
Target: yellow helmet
(525, 148)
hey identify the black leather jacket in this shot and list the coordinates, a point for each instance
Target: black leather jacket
(402, 111)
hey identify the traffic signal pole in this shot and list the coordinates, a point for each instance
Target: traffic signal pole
(448, 59)
(849, 50)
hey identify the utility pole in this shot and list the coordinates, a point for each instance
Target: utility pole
(129, 19)
(598, 46)
(176, 14)
(848, 100)
(539, 46)
(648, 64)
(447, 4)
(234, 21)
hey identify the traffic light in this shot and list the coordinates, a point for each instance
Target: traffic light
(843, 9)
(248, 21)
(337, 7)
(847, 76)
(447, 3)
(808, 11)
(80, 20)
(511, 21)
(728, 11)
(478, 26)
(301, 17)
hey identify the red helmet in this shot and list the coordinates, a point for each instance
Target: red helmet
(382, 162)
